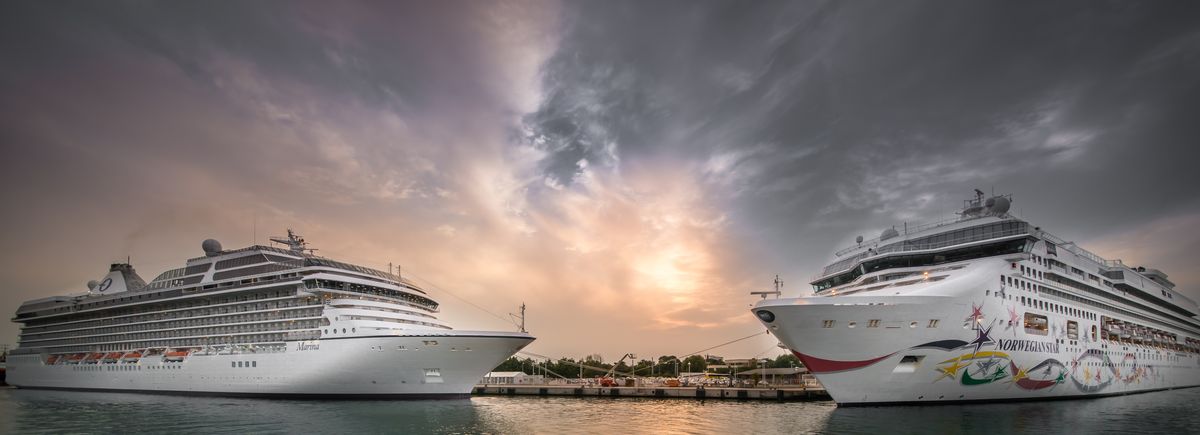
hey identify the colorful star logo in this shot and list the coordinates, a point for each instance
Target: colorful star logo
(976, 313)
(950, 371)
(982, 338)
(1018, 373)
(1013, 319)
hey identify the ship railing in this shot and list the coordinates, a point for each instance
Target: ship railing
(1077, 250)
(906, 246)
(906, 230)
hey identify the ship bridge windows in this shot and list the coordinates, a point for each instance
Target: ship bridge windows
(926, 259)
(409, 298)
(241, 261)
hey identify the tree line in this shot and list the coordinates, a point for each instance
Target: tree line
(664, 366)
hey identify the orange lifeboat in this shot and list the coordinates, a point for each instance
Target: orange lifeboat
(112, 357)
(175, 356)
(53, 359)
(76, 358)
(93, 358)
(132, 356)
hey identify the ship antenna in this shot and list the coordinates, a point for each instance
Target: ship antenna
(294, 242)
(520, 317)
(778, 289)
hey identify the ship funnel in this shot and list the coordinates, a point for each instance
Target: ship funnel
(121, 278)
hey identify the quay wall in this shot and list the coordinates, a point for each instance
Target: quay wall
(780, 393)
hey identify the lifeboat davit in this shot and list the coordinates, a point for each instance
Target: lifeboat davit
(175, 356)
(132, 356)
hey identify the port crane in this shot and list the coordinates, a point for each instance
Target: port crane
(607, 380)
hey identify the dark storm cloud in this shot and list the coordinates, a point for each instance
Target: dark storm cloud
(633, 164)
(814, 120)
(141, 127)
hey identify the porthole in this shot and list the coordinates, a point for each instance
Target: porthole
(852, 324)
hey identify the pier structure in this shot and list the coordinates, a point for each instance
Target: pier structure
(783, 393)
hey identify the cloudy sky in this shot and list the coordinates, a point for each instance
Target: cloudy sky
(629, 170)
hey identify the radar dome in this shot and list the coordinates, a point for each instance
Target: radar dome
(858, 239)
(92, 284)
(889, 233)
(998, 205)
(211, 247)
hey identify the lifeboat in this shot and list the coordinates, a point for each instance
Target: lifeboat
(132, 356)
(112, 357)
(175, 356)
(93, 358)
(76, 358)
(53, 359)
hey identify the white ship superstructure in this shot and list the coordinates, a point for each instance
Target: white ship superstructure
(986, 307)
(257, 321)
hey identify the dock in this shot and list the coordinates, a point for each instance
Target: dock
(782, 393)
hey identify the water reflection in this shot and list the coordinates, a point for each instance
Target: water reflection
(33, 411)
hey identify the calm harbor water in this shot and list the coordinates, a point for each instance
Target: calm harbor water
(30, 411)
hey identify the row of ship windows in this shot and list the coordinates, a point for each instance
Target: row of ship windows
(1039, 328)
(390, 320)
(387, 310)
(874, 323)
(239, 364)
(246, 339)
(1029, 271)
(406, 298)
(1056, 308)
(1038, 304)
(173, 325)
(1098, 305)
(1158, 355)
(165, 311)
(185, 332)
(122, 368)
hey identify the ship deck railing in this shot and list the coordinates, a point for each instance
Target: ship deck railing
(904, 246)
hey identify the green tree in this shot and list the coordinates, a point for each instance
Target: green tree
(512, 364)
(642, 368)
(786, 360)
(695, 363)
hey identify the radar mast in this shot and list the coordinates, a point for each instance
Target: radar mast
(294, 242)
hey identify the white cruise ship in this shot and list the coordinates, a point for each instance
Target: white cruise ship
(986, 307)
(258, 321)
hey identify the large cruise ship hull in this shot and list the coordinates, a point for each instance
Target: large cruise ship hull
(436, 365)
(961, 342)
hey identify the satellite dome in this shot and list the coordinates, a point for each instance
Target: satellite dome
(858, 239)
(998, 205)
(92, 284)
(211, 247)
(889, 233)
